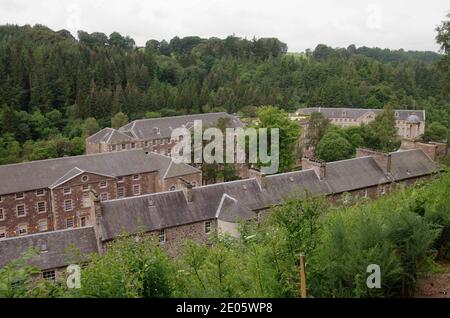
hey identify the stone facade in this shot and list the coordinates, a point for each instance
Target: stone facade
(410, 123)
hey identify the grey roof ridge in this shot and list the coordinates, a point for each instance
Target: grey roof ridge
(58, 182)
(66, 157)
(46, 233)
(189, 115)
(142, 196)
(106, 128)
(219, 208)
(168, 168)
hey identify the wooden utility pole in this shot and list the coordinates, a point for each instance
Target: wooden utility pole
(302, 277)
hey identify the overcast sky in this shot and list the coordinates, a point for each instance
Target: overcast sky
(301, 24)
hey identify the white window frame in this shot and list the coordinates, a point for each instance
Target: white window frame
(67, 192)
(120, 179)
(162, 236)
(102, 195)
(41, 222)
(24, 210)
(136, 177)
(67, 223)
(208, 227)
(65, 205)
(103, 186)
(123, 193)
(40, 195)
(134, 187)
(45, 207)
(85, 187)
(22, 197)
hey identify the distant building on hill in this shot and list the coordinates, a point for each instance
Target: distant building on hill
(153, 135)
(410, 123)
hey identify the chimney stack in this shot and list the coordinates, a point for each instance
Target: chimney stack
(382, 158)
(187, 189)
(319, 166)
(95, 217)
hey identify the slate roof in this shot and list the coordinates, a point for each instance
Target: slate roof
(109, 135)
(355, 113)
(145, 129)
(411, 163)
(353, 174)
(231, 201)
(45, 173)
(62, 247)
(286, 185)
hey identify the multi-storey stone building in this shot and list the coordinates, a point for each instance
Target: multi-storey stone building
(153, 134)
(53, 194)
(410, 123)
(195, 213)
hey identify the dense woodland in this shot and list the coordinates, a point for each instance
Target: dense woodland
(56, 89)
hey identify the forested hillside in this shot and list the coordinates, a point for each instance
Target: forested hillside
(53, 85)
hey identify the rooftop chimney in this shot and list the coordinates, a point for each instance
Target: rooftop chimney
(382, 158)
(187, 189)
(318, 165)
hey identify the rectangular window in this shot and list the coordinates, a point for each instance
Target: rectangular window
(49, 275)
(113, 148)
(120, 192)
(162, 236)
(208, 227)
(67, 191)
(133, 145)
(124, 146)
(119, 179)
(22, 229)
(20, 210)
(136, 189)
(43, 225)
(69, 223)
(104, 196)
(103, 184)
(68, 205)
(83, 221)
(2, 232)
(136, 177)
(161, 141)
(40, 192)
(2, 214)
(42, 207)
(146, 144)
(20, 195)
(85, 187)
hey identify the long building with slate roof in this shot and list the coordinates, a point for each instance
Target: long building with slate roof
(152, 134)
(196, 212)
(47, 195)
(410, 123)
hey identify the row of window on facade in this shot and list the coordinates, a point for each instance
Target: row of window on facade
(23, 228)
(148, 143)
(21, 195)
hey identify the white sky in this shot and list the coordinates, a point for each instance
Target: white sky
(301, 24)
